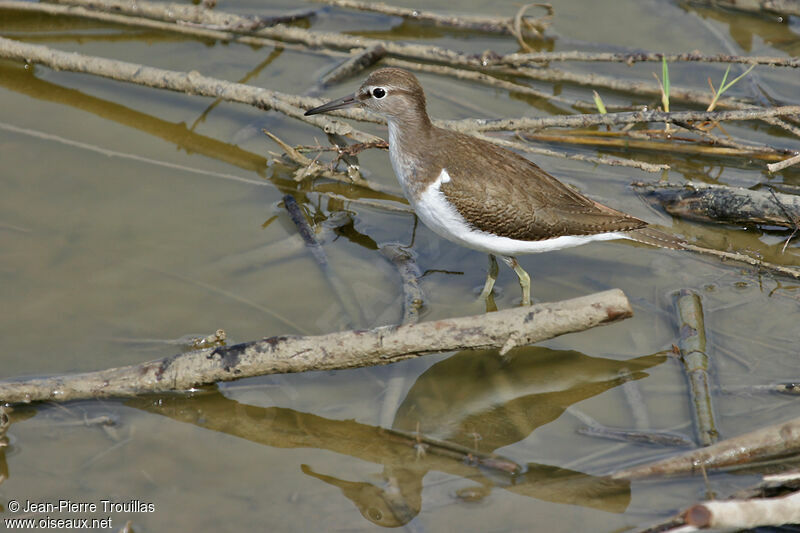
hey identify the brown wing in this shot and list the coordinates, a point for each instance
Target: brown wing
(508, 195)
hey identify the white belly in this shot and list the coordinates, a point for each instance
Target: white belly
(441, 217)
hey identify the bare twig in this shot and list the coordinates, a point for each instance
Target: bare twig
(760, 445)
(347, 349)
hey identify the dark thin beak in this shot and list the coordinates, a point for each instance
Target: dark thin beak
(346, 101)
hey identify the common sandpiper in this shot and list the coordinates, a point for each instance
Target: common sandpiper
(480, 195)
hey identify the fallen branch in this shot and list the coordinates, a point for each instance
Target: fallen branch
(348, 349)
(188, 82)
(763, 444)
(692, 346)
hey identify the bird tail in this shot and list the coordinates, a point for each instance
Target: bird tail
(654, 237)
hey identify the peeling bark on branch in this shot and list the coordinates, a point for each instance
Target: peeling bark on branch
(347, 349)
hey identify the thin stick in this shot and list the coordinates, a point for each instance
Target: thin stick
(346, 349)
(763, 444)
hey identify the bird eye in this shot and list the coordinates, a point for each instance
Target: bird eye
(378, 92)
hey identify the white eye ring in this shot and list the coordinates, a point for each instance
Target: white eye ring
(378, 92)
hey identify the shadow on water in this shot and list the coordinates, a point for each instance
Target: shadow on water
(474, 399)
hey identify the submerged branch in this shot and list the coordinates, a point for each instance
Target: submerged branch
(347, 349)
(761, 445)
(692, 346)
(720, 203)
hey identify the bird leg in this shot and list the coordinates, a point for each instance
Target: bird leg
(524, 278)
(491, 277)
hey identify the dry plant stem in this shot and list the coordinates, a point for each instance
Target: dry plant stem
(692, 346)
(466, 22)
(731, 143)
(188, 82)
(760, 445)
(739, 514)
(406, 265)
(719, 203)
(521, 60)
(343, 294)
(310, 167)
(346, 349)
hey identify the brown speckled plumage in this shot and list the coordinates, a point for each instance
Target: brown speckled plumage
(501, 192)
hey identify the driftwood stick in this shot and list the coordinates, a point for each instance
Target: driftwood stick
(741, 514)
(763, 444)
(188, 82)
(346, 349)
(692, 346)
(775, 167)
(719, 203)
(465, 22)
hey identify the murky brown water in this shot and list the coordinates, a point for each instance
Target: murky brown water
(123, 226)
